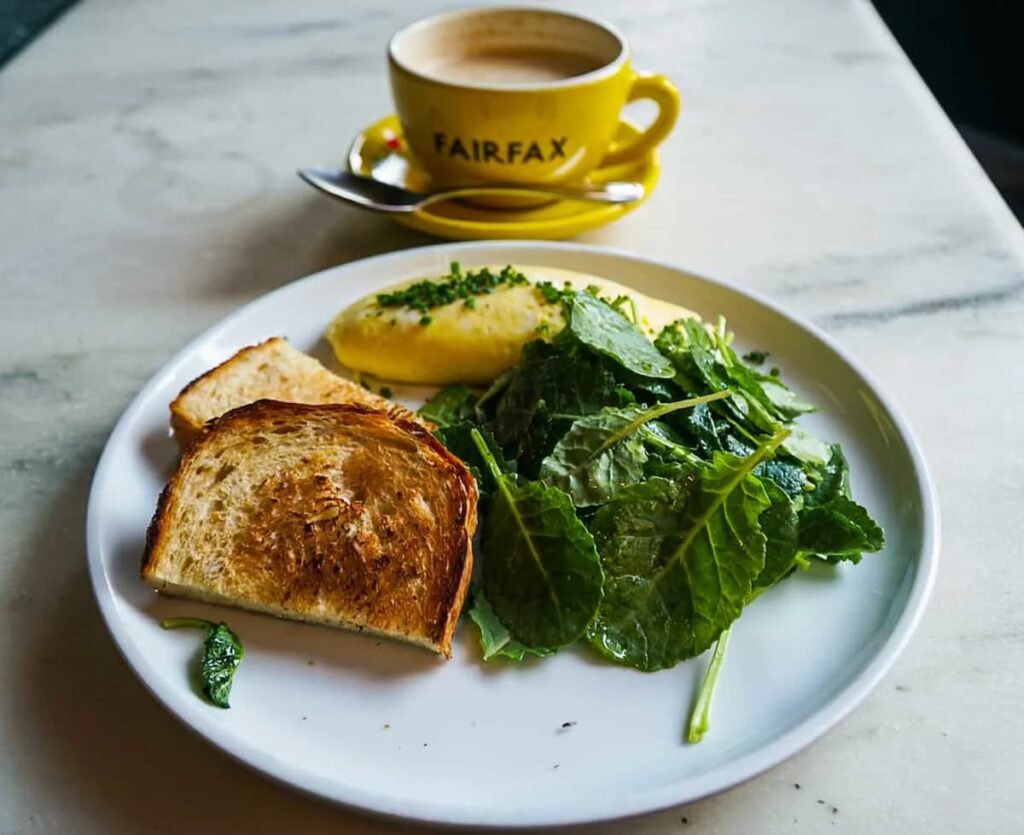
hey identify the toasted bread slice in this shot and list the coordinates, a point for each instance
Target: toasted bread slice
(271, 370)
(327, 513)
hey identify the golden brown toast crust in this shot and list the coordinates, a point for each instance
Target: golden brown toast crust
(323, 387)
(312, 539)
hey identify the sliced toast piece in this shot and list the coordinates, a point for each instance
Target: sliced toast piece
(270, 370)
(328, 513)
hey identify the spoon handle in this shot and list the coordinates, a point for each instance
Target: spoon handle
(385, 197)
(614, 192)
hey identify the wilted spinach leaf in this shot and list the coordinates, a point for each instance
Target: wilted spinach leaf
(222, 653)
(680, 559)
(541, 572)
(449, 405)
(598, 325)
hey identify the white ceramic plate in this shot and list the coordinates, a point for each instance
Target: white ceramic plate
(393, 729)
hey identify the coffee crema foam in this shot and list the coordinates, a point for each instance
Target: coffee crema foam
(519, 65)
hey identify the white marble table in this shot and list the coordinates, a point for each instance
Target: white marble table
(146, 189)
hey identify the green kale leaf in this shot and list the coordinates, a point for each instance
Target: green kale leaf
(605, 452)
(833, 479)
(786, 402)
(222, 653)
(779, 524)
(810, 451)
(495, 640)
(449, 405)
(601, 327)
(706, 361)
(541, 572)
(839, 530)
(832, 525)
(458, 439)
(680, 560)
(553, 386)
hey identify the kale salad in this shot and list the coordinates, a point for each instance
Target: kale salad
(636, 495)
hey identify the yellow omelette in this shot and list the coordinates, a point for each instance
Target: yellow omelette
(471, 344)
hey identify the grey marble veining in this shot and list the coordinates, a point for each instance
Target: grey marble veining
(147, 189)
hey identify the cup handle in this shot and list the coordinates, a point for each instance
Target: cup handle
(665, 94)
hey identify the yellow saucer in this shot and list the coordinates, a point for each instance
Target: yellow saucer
(381, 152)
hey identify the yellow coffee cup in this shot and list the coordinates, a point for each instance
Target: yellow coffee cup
(520, 95)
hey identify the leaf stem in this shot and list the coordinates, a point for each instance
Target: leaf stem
(510, 501)
(188, 623)
(653, 413)
(700, 719)
(632, 307)
(486, 454)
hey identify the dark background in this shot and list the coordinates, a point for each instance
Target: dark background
(968, 51)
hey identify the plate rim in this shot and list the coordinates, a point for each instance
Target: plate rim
(718, 779)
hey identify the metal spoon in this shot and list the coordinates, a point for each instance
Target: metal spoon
(382, 197)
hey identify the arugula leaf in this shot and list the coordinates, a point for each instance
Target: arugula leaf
(449, 405)
(222, 653)
(541, 572)
(603, 453)
(680, 559)
(602, 328)
(495, 640)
